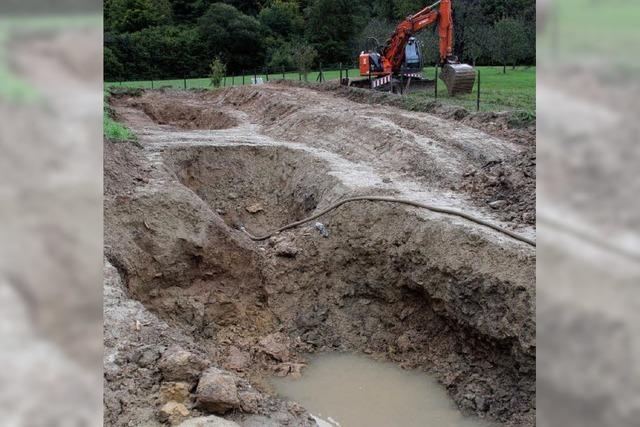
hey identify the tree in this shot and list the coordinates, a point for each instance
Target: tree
(283, 18)
(510, 42)
(429, 46)
(134, 15)
(304, 55)
(218, 70)
(234, 36)
(478, 41)
(113, 69)
(281, 56)
(332, 26)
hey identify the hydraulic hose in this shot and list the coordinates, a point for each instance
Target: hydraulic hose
(437, 209)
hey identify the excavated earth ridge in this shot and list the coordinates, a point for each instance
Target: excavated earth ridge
(421, 289)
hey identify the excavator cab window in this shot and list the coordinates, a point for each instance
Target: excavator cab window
(375, 62)
(412, 58)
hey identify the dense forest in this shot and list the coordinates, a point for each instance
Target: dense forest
(179, 38)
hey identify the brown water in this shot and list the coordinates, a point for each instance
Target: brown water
(353, 391)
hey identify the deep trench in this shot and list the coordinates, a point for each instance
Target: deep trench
(388, 281)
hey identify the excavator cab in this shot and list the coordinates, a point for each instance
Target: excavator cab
(412, 56)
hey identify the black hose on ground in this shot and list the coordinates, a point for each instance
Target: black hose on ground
(437, 209)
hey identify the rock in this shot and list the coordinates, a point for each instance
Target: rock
(232, 196)
(255, 208)
(173, 413)
(220, 211)
(260, 421)
(276, 346)
(210, 421)
(529, 217)
(146, 356)
(286, 250)
(293, 370)
(386, 180)
(406, 341)
(217, 391)
(322, 229)
(172, 391)
(237, 359)
(250, 401)
(178, 364)
(497, 204)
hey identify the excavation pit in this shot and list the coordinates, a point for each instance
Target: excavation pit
(254, 187)
(183, 115)
(410, 287)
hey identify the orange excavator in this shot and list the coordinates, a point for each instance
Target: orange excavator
(398, 66)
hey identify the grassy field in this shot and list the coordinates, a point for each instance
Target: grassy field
(515, 90)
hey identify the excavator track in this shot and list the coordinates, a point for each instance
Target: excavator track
(459, 78)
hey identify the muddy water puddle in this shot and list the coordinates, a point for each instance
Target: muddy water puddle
(348, 390)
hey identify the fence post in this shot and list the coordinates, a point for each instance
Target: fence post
(151, 83)
(283, 77)
(267, 73)
(255, 76)
(233, 80)
(300, 76)
(436, 81)
(478, 99)
(242, 77)
(347, 72)
(341, 73)
(321, 76)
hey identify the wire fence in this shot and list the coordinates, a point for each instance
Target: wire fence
(336, 72)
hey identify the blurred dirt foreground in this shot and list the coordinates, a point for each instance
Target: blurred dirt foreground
(588, 221)
(51, 231)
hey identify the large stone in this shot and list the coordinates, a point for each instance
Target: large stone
(178, 392)
(210, 421)
(178, 364)
(217, 391)
(173, 413)
(276, 346)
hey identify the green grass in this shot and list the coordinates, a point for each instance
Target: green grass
(205, 83)
(117, 132)
(14, 89)
(515, 90)
(113, 130)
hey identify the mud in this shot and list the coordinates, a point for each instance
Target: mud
(419, 289)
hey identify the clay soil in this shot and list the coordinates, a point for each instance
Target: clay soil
(424, 290)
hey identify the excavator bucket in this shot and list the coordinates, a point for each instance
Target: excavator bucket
(459, 78)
